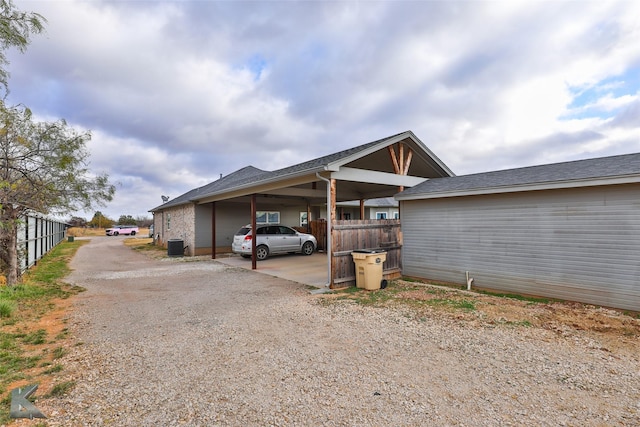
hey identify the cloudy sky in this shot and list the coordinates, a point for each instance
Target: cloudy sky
(176, 93)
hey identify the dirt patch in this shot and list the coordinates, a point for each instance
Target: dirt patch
(616, 330)
(56, 344)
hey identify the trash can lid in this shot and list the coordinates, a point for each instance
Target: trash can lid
(368, 251)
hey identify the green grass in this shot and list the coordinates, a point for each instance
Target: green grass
(54, 369)
(61, 389)
(7, 308)
(394, 294)
(58, 353)
(36, 337)
(145, 246)
(26, 352)
(452, 304)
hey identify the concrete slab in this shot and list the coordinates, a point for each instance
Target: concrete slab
(309, 270)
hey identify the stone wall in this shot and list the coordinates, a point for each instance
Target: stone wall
(176, 223)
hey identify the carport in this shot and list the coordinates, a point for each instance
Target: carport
(311, 189)
(311, 270)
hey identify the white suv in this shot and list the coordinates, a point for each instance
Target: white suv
(273, 239)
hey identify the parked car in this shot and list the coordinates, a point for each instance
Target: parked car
(122, 229)
(273, 239)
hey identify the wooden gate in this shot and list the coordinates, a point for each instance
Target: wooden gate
(319, 230)
(347, 236)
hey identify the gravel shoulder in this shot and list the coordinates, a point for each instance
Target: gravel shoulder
(171, 342)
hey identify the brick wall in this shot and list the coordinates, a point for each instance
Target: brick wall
(176, 223)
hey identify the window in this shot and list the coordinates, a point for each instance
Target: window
(168, 221)
(396, 215)
(303, 219)
(381, 215)
(264, 217)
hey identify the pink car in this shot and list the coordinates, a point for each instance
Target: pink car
(122, 229)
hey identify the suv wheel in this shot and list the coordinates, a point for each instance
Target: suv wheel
(133, 233)
(262, 252)
(307, 248)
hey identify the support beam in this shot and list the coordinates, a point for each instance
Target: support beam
(375, 177)
(407, 163)
(329, 243)
(400, 164)
(361, 209)
(332, 219)
(254, 264)
(213, 230)
(333, 200)
(394, 159)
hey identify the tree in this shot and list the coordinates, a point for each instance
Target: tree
(143, 221)
(100, 221)
(77, 221)
(43, 168)
(16, 28)
(126, 220)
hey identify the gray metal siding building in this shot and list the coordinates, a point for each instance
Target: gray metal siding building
(569, 231)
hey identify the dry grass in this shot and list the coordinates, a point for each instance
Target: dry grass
(88, 232)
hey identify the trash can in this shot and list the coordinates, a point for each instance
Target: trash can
(369, 268)
(70, 239)
(175, 247)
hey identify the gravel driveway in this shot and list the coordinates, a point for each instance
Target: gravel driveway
(170, 342)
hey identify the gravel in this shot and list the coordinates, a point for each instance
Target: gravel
(171, 342)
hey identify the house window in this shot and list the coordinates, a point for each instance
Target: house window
(381, 215)
(264, 217)
(396, 215)
(303, 219)
(168, 221)
(346, 216)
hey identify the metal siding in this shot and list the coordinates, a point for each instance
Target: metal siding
(203, 226)
(579, 244)
(229, 218)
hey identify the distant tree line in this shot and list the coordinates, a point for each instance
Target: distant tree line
(101, 221)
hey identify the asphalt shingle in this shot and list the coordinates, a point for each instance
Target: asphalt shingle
(603, 167)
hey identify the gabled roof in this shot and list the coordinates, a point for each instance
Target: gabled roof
(579, 173)
(248, 179)
(241, 175)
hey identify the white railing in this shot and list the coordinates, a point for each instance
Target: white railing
(37, 235)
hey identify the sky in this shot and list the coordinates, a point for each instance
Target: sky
(177, 93)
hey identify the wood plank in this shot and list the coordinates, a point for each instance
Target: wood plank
(394, 159)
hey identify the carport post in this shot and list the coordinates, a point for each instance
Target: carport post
(254, 264)
(330, 215)
(213, 230)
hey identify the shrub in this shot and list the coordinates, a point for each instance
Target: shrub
(6, 308)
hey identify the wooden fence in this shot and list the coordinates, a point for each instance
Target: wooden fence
(349, 235)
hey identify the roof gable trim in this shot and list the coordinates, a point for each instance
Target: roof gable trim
(558, 185)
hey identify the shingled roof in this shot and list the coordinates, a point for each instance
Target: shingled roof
(621, 168)
(251, 176)
(239, 176)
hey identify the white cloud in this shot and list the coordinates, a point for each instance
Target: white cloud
(189, 90)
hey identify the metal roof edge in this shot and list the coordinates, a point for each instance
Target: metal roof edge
(539, 186)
